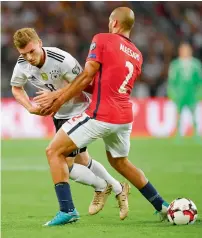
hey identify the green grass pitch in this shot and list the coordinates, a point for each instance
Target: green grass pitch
(28, 196)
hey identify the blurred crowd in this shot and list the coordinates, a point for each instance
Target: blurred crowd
(159, 28)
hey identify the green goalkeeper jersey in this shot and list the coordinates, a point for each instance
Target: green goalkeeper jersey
(185, 80)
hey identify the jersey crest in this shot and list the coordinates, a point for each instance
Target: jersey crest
(55, 74)
(76, 70)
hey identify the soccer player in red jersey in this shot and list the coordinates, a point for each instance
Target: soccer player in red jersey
(112, 66)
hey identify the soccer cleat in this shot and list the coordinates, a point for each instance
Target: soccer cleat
(123, 200)
(63, 218)
(99, 200)
(163, 212)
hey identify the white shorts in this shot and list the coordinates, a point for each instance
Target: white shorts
(83, 130)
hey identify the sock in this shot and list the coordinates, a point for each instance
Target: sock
(64, 197)
(81, 174)
(150, 193)
(99, 170)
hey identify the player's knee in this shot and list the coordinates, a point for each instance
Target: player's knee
(50, 152)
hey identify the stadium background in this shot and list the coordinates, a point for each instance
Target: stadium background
(28, 199)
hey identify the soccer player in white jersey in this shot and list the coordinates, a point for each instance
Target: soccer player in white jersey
(50, 68)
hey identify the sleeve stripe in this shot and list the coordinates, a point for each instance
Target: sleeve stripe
(21, 61)
(53, 57)
(55, 54)
(59, 57)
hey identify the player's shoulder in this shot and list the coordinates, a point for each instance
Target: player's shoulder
(21, 63)
(174, 62)
(54, 53)
(106, 36)
(62, 57)
(54, 50)
(101, 35)
(197, 61)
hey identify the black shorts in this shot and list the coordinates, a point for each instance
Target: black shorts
(58, 123)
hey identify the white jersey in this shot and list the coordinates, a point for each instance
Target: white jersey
(59, 69)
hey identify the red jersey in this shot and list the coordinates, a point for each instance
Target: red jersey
(120, 64)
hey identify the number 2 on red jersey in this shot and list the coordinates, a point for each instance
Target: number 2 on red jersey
(130, 67)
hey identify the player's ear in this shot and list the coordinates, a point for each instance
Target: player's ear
(115, 23)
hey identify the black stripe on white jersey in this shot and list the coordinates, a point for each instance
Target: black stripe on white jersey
(55, 54)
(21, 60)
(53, 57)
(59, 57)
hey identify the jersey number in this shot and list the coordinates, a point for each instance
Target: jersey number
(130, 67)
(50, 86)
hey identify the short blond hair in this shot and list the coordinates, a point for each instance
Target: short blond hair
(23, 36)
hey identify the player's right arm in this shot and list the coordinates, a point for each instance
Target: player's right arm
(18, 81)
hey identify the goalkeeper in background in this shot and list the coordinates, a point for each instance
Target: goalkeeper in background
(185, 83)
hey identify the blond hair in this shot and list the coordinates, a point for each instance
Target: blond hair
(23, 36)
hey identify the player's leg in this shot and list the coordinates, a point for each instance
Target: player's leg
(98, 169)
(55, 152)
(82, 174)
(79, 172)
(117, 147)
(87, 127)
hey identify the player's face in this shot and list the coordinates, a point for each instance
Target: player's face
(33, 53)
(185, 51)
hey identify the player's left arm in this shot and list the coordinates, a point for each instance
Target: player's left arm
(45, 98)
(82, 81)
(77, 86)
(69, 69)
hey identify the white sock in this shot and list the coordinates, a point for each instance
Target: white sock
(99, 170)
(82, 174)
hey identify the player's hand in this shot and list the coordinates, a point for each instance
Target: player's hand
(45, 98)
(53, 109)
(36, 110)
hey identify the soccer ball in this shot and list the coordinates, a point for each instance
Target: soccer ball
(182, 211)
